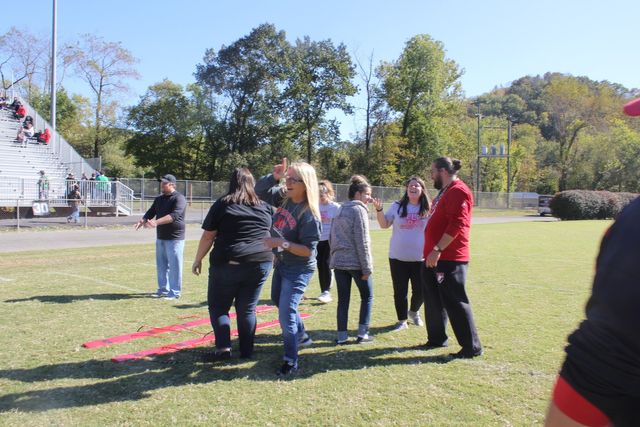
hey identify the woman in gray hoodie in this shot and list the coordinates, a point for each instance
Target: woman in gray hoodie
(351, 257)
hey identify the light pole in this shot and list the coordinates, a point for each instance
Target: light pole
(53, 66)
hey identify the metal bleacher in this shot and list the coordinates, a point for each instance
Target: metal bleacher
(20, 166)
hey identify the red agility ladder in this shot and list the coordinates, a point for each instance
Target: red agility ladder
(172, 348)
(161, 330)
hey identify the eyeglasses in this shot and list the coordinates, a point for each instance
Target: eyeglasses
(292, 179)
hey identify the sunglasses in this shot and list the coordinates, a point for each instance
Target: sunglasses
(293, 179)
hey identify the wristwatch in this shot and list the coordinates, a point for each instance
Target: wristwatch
(285, 245)
(437, 249)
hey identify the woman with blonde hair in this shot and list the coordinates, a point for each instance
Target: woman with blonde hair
(328, 210)
(295, 234)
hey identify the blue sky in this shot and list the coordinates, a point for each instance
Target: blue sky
(494, 41)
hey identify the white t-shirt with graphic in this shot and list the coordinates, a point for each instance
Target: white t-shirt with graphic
(407, 237)
(327, 213)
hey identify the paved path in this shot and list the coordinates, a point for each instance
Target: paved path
(67, 236)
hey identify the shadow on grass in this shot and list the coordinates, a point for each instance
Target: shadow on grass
(204, 303)
(66, 299)
(135, 380)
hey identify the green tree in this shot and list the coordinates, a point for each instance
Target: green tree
(166, 135)
(247, 76)
(320, 80)
(422, 87)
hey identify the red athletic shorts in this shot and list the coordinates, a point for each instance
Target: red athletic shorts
(576, 407)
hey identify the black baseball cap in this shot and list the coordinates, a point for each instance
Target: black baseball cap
(169, 178)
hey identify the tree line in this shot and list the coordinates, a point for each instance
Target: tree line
(263, 97)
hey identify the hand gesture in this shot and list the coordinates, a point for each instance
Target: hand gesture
(280, 169)
(377, 203)
(196, 267)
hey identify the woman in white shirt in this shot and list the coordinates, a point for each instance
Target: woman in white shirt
(409, 218)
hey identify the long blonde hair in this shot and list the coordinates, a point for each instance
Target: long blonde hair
(307, 174)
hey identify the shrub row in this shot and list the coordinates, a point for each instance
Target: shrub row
(585, 204)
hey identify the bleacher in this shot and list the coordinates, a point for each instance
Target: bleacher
(20, 166)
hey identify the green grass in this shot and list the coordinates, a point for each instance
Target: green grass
(528, 283)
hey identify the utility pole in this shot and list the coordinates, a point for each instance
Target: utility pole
(479, 116)
(509, 123)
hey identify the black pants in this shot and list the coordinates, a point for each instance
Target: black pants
(401, 273)
(444, 294)
(324, 272)
(239, 285)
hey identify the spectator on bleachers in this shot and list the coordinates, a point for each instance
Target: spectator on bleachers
(43, 186)
(27, 119)
(43, 137)
(15, 104)
(25, 133)
(21, 111)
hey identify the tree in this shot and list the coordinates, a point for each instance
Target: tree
(376, 115)
(423, 88)
(22, 56)
(247, 76)
(320, 80)
(104, 66)
(166, 134)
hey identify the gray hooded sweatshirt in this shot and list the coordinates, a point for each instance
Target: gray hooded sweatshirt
(350, 241)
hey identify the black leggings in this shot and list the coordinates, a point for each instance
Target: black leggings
(324, 272)
(401, 273)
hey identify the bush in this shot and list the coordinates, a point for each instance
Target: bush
(584, 204)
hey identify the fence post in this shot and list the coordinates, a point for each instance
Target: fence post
(18, 213)
(86, 210)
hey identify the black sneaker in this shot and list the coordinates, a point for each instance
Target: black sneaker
(431, 346)
(365, 339)
(286, 370)
(158, 295)
(463, 354)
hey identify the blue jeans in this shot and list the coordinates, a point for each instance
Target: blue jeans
(287, 287)
(242, 283)
(169, 266)
(343, 282)
(75, 214)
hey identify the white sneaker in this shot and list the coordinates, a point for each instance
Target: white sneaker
(325, 297)
(400, 326)
(414, 316)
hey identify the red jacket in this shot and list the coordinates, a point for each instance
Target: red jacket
(21, 111)
(451, 214)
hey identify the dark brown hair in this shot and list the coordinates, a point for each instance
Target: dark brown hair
(241, 189)
(423, 201)
(452, 166)
(358, 184)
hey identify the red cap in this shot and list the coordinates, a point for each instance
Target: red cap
(632, 108)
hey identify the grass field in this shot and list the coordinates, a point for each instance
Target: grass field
(528, 283)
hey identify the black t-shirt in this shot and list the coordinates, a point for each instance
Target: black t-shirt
(603, 355)
(240, 232)
(173, 204)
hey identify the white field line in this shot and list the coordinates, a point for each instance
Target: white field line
(5, 279)
(102, 282)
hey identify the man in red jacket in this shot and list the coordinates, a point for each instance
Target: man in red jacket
(446, 254)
